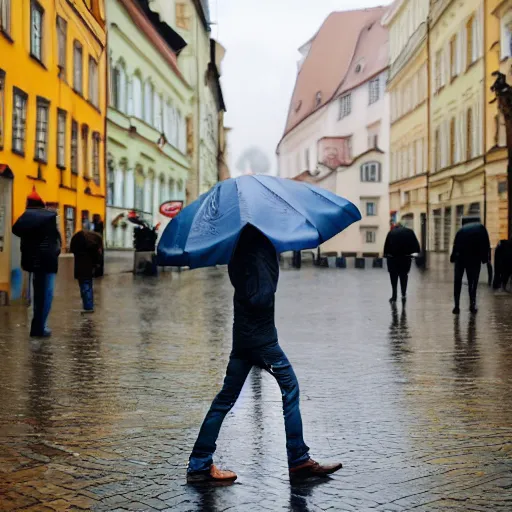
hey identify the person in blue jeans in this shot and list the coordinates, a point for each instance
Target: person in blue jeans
(87, 247)
(254, 273)
(40, 249)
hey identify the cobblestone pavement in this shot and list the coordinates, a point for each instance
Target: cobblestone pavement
(102, 416)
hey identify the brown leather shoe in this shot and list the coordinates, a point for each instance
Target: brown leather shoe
(312, 468)
(213, 475)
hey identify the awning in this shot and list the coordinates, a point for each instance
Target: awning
(5, 172)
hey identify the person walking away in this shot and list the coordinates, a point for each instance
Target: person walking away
(401, 243)
(254, 273)
(471, 249)
(40, 249)
(99, 228)
(86, 246)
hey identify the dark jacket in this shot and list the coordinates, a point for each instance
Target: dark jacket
(254, 273)
(401, 242)
(471, 245)
(40, 240)
(87, 249)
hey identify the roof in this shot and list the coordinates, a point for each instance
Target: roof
(329, 59)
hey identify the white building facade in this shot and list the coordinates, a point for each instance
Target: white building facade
(343, 145)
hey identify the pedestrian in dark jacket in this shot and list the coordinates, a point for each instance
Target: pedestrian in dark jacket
(502, 264)
(401, 244)
(99, 228)
(254, 273)
(40, 249)
(471, 249)
(87, 249)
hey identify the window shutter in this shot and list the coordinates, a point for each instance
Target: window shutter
(463, 44)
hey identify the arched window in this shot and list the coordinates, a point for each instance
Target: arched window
(119, 99)
(167, 120)
(139, 188)
(162, 196)
(170, 192)
(157, 121)
(110, 181)
(148, 102)
(137, 96)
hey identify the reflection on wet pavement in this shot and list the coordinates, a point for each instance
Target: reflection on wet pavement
(415, 403)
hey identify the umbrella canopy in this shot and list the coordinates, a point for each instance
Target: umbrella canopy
(401, 241)
(292, 215)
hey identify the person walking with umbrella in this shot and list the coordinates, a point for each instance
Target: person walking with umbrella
(229, 225)
(40, 248)
(401, 243)
(471, 249)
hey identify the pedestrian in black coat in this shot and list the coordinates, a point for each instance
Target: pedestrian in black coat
(40, 248)
(471, 249)
(87, 249)
(401, 244)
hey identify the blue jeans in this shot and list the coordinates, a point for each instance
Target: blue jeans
(272, 359)
(44, 286)
(86, 291)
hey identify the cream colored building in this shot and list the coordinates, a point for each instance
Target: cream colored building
(457, 179)
(407, 85)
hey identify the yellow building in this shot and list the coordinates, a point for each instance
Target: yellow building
(52, 116)
(498, 30)
(457, 70)
(408, 89)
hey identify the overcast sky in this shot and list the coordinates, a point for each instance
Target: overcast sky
(258, 74)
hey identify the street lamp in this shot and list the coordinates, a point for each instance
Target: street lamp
(503, 93)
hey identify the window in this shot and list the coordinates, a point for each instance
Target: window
(470, 41)
(182, 16)
(437, 149)
(437, 70)
(452, 141)
(137, 97)
(345, 106)
(62, 36)
(74, 147)
(371, 209)
(469, 135)
(36, 30)
(453, 57)
(374, 90)
(61, 139)
(96, 157)
(5, 16)
(110, 182)
(19, 121)
(77, 67)
(370, 172)
(148, 102)
(371, 237)
(93, 83)
(85, 152)
(2, 107)
(157, 121)
(43, 110)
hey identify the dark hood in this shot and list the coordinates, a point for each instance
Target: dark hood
(401, 241)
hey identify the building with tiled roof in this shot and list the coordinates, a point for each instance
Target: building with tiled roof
(337, 129)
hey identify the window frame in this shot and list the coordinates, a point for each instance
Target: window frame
(470, 36)
(345, 107)
(5, 25)
(93, 89)
(23, 96)
(74, 148)
(62, 46)
(469, 134)
(370, 210)
(42, 104)
(374, 90)
(61, 115)
(78, 47)
(96, 157)
(366, 169)
(3, 74)
(84, 139)
(453, 58)
(373, 238)
(36, 6)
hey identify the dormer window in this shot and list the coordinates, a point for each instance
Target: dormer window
(318, 98)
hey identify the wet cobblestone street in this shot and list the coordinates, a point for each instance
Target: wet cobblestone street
(416, 404)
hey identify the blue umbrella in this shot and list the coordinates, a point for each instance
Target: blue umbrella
(293, 216)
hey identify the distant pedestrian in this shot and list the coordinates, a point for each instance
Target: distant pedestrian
(87, 248)
(471, 249)
(40, 248)
(99, 227)
(401, 244)
(254, 273)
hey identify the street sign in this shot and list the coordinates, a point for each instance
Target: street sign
(171, 208)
